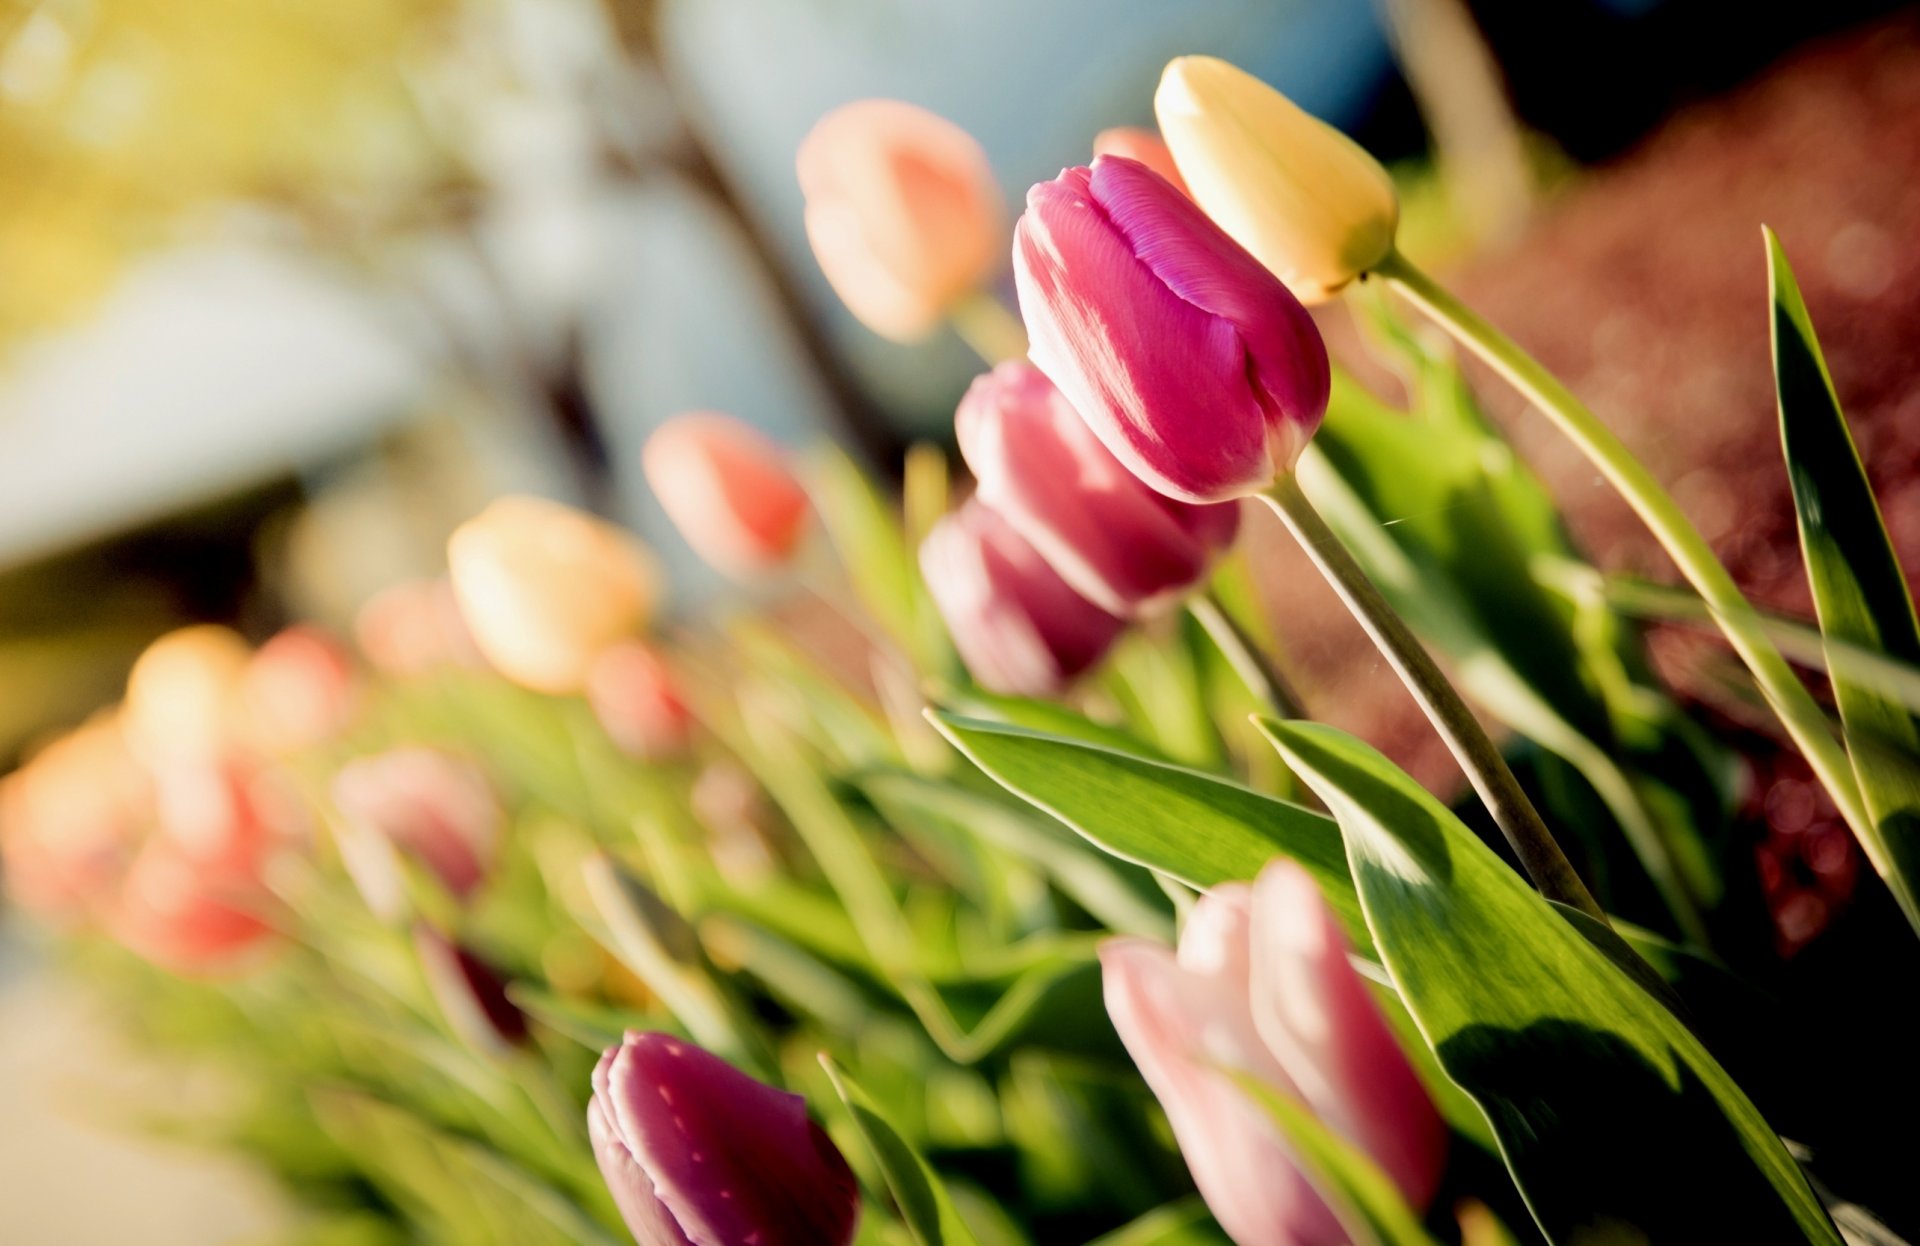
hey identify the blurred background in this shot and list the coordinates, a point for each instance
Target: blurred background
(290, 287)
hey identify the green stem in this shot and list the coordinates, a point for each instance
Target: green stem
(984, 323)
(1743, 628)
(1512, 811)
(1262, 678)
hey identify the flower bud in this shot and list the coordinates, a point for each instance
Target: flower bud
(183, 695)
(638, 703)
(192, 914)
(1305, 199)
(69, 819)
(1021, 629)
(1143, 146)
(1261, 986)
(300, 689)
(1191, 362)
(902, 211)
(433, 807)
(414, 627)
(545, 588)
(693, 1150)
(471, 994)
(728, 488)
(1116, 542)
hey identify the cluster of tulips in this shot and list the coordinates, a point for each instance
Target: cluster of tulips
(643, 873)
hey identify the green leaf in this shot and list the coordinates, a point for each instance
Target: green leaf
(1364, 1198)
(1610, 1114)
(1858, 589)
(1190, 826)
(916, 1188)
(1185, 1223)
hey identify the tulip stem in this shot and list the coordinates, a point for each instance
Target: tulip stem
(1738, 621)
(1485, 768)
(989, 327)
(1249, 661)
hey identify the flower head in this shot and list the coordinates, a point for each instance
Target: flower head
(729, 490)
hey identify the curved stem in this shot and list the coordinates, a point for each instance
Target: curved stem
(1742, 626)
(1251, 663)
(1512, 811)
(989, 327)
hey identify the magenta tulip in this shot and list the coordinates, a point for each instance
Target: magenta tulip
(1191, 361)
(1261, 985)
(696, 1153)
(471, 993)
(1020, 628)
(1121, 545)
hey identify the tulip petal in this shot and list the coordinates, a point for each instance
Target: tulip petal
(649, 1222)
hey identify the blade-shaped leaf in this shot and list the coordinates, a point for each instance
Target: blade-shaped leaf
(1610, 1114)
(1194, 827)
(1858, 590)
(916, 1188)
(1185, 1223)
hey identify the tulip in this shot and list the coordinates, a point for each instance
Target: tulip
(70, 817)
(1145, 146)
(902, 211)
(1118, 543)
(414, 627)
(696, 1153)
(300, 690)
(638, 702)
(1304, 198)
(1261, 986)
(729, 491)
(183, 695)
(1021, 629)
(435, 808)
(1192, 363)
(471, 994)
(546, 588)
(192, 914)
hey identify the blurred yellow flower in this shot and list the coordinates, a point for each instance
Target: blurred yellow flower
(545, 589)
(183, 700)
(1305, 199)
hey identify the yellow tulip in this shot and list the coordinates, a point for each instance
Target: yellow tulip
(183, 698)
(1305, 199)
(545, 589)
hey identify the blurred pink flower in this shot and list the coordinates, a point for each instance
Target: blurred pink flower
(433, 807)
(300, 689)
(637, 700)
(729, 490)
(414, 627)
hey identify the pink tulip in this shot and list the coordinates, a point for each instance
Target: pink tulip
(431, 806)
(637, 701)
(471, 993)
(1122, 546)
(300, 689)
(70, 819)
(902, 211)
(1261, 985)
(1021, 629)
(696, 1153)
(1191, 361)
(1145, 146)
(414, 627)
(190, 915)
(729, 490)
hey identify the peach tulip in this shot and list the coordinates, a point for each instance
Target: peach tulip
(637, 701)
(414, 627)
(729, 490)
(300, 689)
(183, 697)
(1141, 145)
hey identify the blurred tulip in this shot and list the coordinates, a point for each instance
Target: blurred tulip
(1261, 985)
(637, 701)
(70, 817)
(902, 211)
(1021, 629)
(414, 627)
(1143, 146)
(1305, 199)
(435, 808)
(728, 488)
(183, 695)
(696, 1153)
(300, 689)
(545, 588)
(471, 994)
(1118, 543)
(193, 914)
(1188, 359)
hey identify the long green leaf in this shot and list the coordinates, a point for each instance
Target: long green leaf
(1858, 589)
(1610, 1114)
(1185, 1223)
(917, 1189)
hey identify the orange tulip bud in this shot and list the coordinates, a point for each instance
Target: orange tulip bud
(638, 703)
(728, 488)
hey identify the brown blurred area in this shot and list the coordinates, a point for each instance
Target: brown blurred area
(1644, 288)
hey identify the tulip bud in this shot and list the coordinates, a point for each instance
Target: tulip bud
(1261, 986)
(545, 588)
(637, 701)
(902, 211)
(299, 689)
(437, 809)
(695, 1151)
(1192, 363)
(1144, 146)
(189, 914)
(728, 488)
(70, 817)
(183, 695)
(1020, 628)
(414, 627)
(1119, 544)
(1305, 199)
(471, 994)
